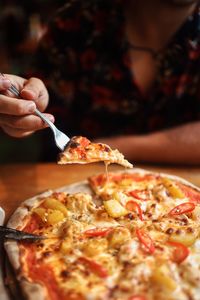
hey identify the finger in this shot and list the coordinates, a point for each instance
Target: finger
(31, 89)
(17, 107)
(34, 89)
(27, 123)
(4, 83)
(17, 81)
(17, 133)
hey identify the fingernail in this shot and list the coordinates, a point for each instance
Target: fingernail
(6, 83)
(31, 107)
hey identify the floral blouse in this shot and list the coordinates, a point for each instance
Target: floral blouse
(83, 59)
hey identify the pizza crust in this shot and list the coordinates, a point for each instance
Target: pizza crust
(34, 291)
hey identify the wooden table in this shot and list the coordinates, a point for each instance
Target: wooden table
(18, 182)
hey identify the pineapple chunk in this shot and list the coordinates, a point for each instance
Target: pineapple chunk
(42, 213)
(185, 238)
(120, 197)
(175, 192)
(114, 208)
(54, 216)
(162, 276)
(55, 204)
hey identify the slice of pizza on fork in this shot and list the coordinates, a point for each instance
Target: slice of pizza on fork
(82, 151)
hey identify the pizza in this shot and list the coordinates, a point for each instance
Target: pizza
(131, 235)
(82, 151)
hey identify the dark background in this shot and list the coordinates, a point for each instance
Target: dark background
(22, 24)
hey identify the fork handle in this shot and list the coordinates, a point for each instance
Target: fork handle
(42, 116)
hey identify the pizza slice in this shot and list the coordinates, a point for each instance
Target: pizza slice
(143, 193)
(107, 185)
(82, 151)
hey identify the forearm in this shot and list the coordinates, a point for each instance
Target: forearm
(177, 145)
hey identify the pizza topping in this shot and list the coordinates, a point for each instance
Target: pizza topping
(173, 189)
(169, 230)
(140, 194)
(137, 297)
(134, 206)
(81, 150)
(54, 216)
(66, 245)
(191, 194)
(54, 204)
(196, 213)
(128, 250)
(145, 240)
(162, 276)
(118, 237)
(33, 224)
(184, 237)
(182, 209)
(94, 267)
(180, 252)
(93, 247)
(42, 213)
(114, 208)
(73, 144)
(95, 232)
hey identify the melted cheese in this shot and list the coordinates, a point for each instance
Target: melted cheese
(119, 261)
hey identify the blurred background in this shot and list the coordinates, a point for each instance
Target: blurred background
(22, 24)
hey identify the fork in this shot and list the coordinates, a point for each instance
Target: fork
(60, 138)
(18, 235)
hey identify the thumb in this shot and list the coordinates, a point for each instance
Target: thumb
(34, 89)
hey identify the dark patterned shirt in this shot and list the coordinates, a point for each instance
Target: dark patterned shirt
(84, 59)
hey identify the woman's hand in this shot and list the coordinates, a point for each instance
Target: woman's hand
(17, 114)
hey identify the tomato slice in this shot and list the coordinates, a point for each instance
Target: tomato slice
(139, 194)
(94, 267)
(137, 297)
(180, 252)
(134, 206)
(95, 232)
(84, 141)
(182, 209)
(146, 241)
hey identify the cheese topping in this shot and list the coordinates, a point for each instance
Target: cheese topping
(143, 240)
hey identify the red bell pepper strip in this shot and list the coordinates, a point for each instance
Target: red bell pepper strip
(94, 267)
(95, 232)
(137, 297)
(145, 240)
(191, 194)
(180, 252)
(182, 209)
(134, 206)
(139, 194)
